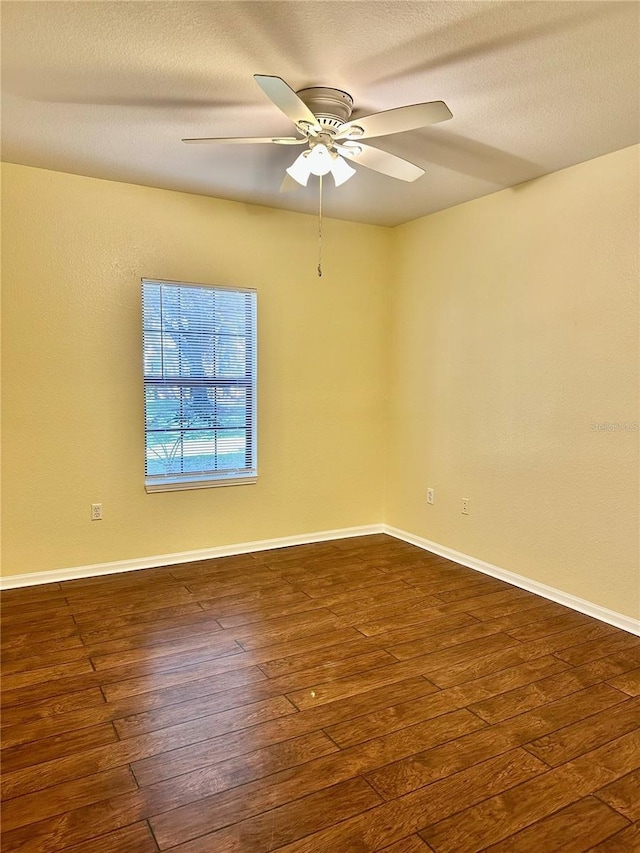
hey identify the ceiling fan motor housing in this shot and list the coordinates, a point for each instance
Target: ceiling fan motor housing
(332, 107)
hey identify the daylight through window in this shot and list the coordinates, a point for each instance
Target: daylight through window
(199, 385)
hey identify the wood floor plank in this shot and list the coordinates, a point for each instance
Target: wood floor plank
(194, 629)
(41, 712)
(50, 748)
(21, 639)
(503, 608)
(539, 693)
(574, 829)
(629, 682)
(226, 674)
(623, 795)
(283, 629)
(347, 696)
(539, 611)
(500, 816)
(411, 844)
(227, 666)
(280, 825)
(416, 620)
(553, 625)
(134, 623)
(108, 815)
(130, 602)
(186, 759)
(249, 767)
(395, 718)
(394, 820)
(598, 648)
(316, 587)
(574, 740)
(217, 694)
(434, 577)
(225, 721)
(422, 768)
(371, 596)
(226, 601)
(240, 804)
(384, 609)
(476, 589)
(117, 580)
(344, 688)
(55, 725)
(32, 648)
(255, 616)
(289, 664)
(478, 666)
(73, 828)
(131, 712)
(57, 612)
(169, 739)
(14, 664)
(378, 722)
(66, 796)
(136, 838)
(625, 841)
(48, 673)
(31, 593)
(205, 648)
(508, 596)
(423, 665)
(234, 563)
(433, 643)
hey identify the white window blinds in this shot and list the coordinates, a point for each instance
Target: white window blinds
(199, 385)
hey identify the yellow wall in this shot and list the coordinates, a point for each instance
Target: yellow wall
(74, 250)
(514, 329)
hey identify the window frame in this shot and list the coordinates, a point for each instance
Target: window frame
(210, 479)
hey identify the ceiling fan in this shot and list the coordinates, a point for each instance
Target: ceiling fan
(322, 117)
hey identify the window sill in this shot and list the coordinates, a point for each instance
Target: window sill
(182, 485)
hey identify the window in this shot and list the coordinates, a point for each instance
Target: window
(199, 385)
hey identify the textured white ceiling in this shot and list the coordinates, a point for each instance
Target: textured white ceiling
(109, 88)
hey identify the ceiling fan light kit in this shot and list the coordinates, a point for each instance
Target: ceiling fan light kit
(319, 160)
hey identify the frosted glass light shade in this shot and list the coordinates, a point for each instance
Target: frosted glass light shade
(320, 161)
(299, 169)
(341, 170)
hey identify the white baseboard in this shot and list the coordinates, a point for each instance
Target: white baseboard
(97, 569)
(626, 623)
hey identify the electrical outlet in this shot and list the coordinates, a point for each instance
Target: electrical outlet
(96, 512)
(431, 496)
(465, 506)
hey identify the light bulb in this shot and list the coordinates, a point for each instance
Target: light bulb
(320, 161)
(341, 170)
(299, 169)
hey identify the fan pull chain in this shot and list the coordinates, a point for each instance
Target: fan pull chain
(320, 231)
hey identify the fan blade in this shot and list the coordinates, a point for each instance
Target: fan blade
(286, 100)
(382, 161)
(397, 120)
(247, 140)
(288, 184)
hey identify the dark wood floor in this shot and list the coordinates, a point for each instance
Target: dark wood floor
(350, 696)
